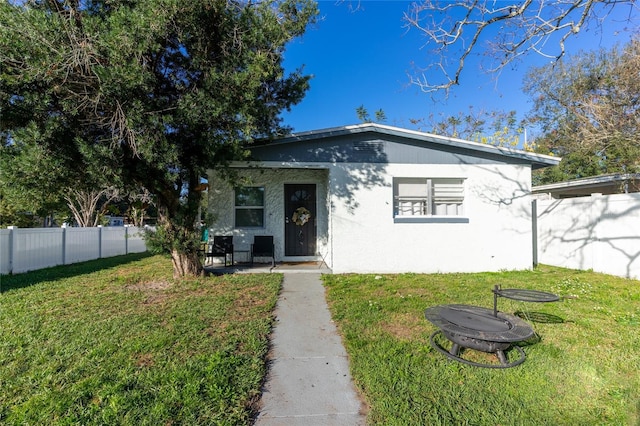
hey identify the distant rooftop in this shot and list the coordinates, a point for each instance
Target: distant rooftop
(618, 183)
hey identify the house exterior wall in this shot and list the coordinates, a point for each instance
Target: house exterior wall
(356, 227)
(221, 207)
(496, 236)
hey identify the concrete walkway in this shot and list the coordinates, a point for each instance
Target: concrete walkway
(308, 381)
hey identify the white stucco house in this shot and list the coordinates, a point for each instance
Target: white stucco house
(381, 199)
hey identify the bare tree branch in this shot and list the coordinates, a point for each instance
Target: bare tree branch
(502, 32)
(84, 204)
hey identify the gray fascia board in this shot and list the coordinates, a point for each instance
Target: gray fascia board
(253, 164)
(536, 160)
(587, 182)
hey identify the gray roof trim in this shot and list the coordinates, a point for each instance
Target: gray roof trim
(536, 160)
(588, 182)
(304, 165)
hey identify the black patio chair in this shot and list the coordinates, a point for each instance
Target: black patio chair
(263, 247)
(222, 247)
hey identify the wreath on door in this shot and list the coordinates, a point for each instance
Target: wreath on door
(301, 216)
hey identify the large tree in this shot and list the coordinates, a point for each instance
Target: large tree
(151, 92)
(588, 109)
(501, 32)
(46, 179)
(22, 185)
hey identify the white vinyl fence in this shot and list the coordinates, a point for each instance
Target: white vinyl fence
(28, 249)
(601, 233)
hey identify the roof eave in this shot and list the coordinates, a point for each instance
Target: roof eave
(537, 160)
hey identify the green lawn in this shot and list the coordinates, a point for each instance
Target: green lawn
(118, 341)
(583, 371)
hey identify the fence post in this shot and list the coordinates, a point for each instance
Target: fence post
(534, 230)
(13, 241)
(64, 243)
(99, 241)
(126, 239)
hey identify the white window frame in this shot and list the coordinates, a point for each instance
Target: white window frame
(237, 208)
(428, 199)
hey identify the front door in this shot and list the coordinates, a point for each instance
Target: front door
(300, 220)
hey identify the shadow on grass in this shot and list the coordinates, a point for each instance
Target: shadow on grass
(533, 340)
(26, 279)
(539, 317)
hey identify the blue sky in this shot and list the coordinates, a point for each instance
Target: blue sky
(363, 57)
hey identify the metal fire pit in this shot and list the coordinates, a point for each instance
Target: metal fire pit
(480, 329)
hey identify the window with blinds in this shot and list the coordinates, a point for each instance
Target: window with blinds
(428, 196)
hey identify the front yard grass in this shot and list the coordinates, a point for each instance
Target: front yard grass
(118, 341)
(583, 371)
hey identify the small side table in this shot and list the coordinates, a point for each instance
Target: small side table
(246, 254)
(521, 295)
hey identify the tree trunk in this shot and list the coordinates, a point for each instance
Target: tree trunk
(186, 264)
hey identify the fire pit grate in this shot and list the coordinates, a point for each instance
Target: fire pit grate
(521, 295)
